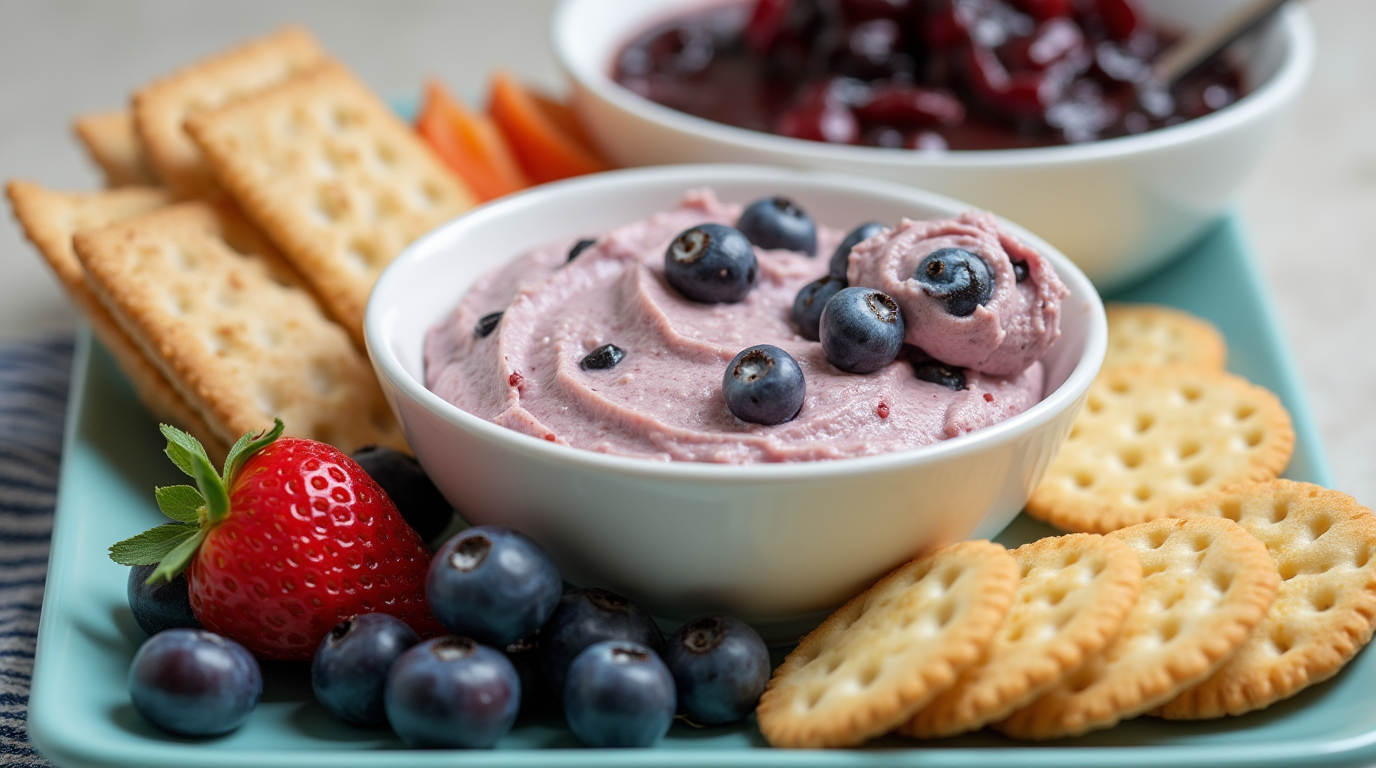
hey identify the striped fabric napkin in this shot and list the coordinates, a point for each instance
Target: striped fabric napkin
(33, 401)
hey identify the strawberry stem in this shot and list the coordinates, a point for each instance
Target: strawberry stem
(195, 510)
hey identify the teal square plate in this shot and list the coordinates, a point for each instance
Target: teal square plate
(80, 713)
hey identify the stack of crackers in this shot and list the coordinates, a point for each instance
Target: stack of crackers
(253, 199)
(1197, 586)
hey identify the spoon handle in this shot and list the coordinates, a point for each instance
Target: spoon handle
(1195, 49)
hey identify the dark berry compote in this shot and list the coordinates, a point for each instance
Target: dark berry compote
(921, 74)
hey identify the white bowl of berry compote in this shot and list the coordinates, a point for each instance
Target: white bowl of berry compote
(1028, 108)
(770, 541)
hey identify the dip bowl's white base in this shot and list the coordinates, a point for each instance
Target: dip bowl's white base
(770, 543)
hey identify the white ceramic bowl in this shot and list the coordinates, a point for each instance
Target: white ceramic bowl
(767, 542)
(1118, 208)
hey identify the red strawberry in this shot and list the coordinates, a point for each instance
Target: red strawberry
(291, 539)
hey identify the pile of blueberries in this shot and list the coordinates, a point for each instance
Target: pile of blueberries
(520, 643)
(861, 329)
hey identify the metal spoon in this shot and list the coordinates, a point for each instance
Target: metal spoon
(1195, 49)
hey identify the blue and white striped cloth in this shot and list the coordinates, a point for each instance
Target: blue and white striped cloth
(33, 401)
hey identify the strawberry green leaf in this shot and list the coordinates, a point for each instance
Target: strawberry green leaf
(182, 448)
(211, 487)
(151, 546)
(180, 502)
(246, 446)
(178, 559)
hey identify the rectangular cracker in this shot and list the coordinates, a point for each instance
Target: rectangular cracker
(338, 182)
(238, 344)
(112, 143)
(161, 107)
(49, 220)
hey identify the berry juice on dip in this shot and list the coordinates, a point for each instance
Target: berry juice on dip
(694, 335)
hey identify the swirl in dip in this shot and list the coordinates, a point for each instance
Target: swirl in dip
(664, 399)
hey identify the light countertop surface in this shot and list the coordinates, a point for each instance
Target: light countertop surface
(1310, 208)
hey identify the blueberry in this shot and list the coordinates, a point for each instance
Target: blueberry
(619, 694)
(492, 584)
(487, 324)
(777, 222)
(807, 306)
(959, 277)
(602, 358)
(937, 372)
(840, 259)
(1020, 272)
(452, 692)
(420, 503)
(162, 604)
(861, 330)
(586, 616)
(579, 247)
(350, 667)
(720, 668)
(764, 385)
(711, 264)
(194, 683)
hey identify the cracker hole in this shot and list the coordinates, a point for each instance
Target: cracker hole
(1362, 558)
(1188, 449)
(1120, 386)
(1025, 569)
(1094, 405)
(430, 193)
(1072, 558)
(1244, 411)
(363, 255)
(1191, 393)
(1074, 432)
(1198, 475)
(1063, 618)
(1254, 437)
(1015, 634)
(949, 576)
(1280, 510)
(345, 117)
(1222, 580)
(1324, 600)
(329, 204)
(1131, 457)
(814, 696)
(833, 663)
(1144, 422)
(1171, 600)
(1082, 681)
(870, 673)
(1168, 630)
(1157, 538)
(1084, 479)
(1287, 571)
(1230, 509)
(1319, 526)
(1097, 567)
(944, 613)
(1056, 596)
(1142, 493)
(1200, 543)
(386, 154)
(1280, 642)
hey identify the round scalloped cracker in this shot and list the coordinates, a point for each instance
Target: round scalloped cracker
(1074, 593)
(1324, 545)
(888, 651)
(1151, 439)
(1206, 583)
(1156, 335)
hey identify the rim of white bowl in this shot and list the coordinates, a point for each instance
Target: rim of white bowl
(1275, 92)
(397, 275)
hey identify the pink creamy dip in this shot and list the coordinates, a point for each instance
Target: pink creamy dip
(664, 400)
